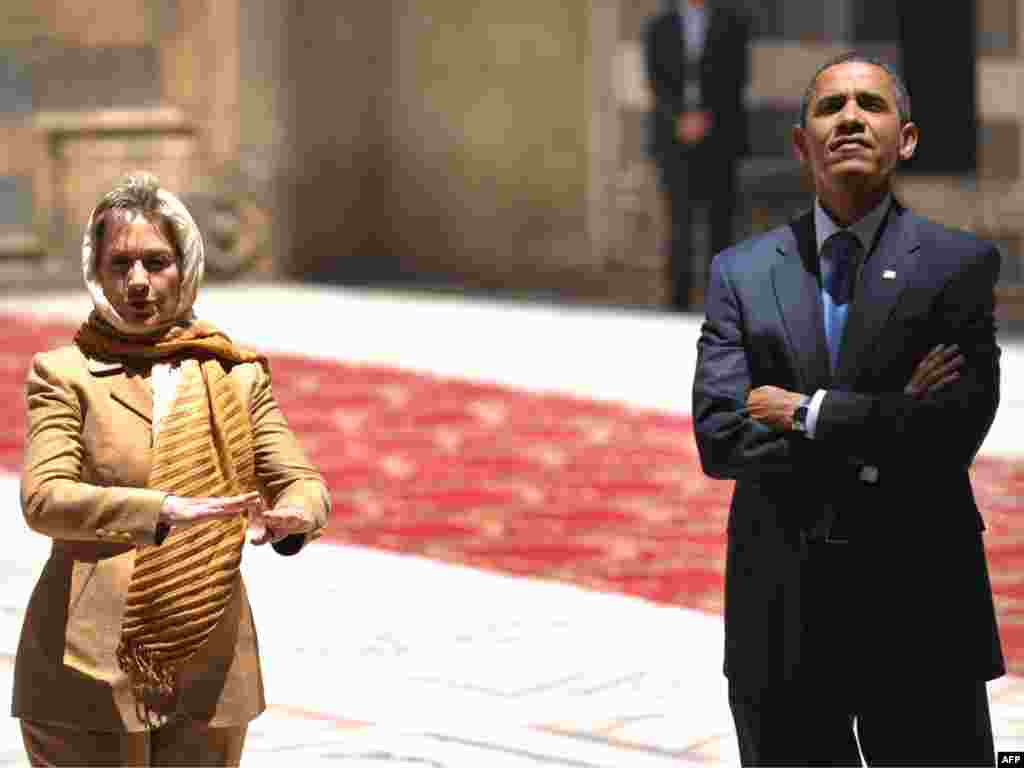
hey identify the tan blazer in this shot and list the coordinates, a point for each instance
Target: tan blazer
(87, 462)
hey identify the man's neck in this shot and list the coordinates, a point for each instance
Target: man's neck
(849, 206)
(695, 3)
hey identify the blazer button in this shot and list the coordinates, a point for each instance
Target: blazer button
(869, 474)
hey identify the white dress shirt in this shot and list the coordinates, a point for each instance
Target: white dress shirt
(165, 380)
(695, 23)
(695, 27)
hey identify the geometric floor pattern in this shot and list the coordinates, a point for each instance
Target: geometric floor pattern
(373, 658)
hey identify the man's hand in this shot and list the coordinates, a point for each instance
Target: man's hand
(281, 522)
(693, 127)
(938, 368)
(773, 407)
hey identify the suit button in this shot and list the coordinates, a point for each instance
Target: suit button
(869, 474)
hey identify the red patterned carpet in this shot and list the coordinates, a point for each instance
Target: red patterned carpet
(596, 494)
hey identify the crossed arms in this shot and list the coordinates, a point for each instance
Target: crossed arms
(940, 415)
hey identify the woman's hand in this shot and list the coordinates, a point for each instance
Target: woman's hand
(281, 522)
(183, 511)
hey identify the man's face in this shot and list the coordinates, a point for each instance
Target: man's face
(138, 270)
(853, 138)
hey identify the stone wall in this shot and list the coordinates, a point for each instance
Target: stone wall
(484, 145)
(489, 143)
(336, 76)
(94, 88)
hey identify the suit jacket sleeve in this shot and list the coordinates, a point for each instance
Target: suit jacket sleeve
(282, 466)
(54, 500)
(947, 428)
(731, 71)
(666, 87)
(732, 445)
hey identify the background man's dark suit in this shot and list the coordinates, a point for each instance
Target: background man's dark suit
(705, 171)
(916, 595)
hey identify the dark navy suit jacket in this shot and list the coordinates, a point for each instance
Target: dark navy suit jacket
(916, 531)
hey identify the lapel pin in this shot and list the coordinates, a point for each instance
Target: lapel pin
(889, 275)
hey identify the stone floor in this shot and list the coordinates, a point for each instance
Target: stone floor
(374, 658)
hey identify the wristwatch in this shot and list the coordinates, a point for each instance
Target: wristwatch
(799, 422)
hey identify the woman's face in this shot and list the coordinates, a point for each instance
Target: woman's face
(138, 270)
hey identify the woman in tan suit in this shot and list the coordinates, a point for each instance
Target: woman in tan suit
(153, 441)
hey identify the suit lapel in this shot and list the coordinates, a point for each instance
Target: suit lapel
(881, 280)
(712, 31)
(677, 41)
(129, 388)
(798, 292)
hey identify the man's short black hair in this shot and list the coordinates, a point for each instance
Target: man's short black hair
(902, 94)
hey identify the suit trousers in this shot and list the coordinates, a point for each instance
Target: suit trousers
(691, 178)
(840, 709)
(179, 743)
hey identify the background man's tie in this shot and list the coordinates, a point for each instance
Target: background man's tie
(842, 249)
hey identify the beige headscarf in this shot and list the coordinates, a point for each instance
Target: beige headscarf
(190, 244)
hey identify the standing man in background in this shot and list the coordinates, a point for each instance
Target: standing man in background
(847, 373)
(697, 62)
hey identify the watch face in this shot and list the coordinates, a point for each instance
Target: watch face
(800, 418)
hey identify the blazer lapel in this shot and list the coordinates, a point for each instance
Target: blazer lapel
(881, 280)
(798, 292)
(127, 387)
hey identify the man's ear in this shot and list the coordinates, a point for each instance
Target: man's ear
(909, 136)
(799, 137)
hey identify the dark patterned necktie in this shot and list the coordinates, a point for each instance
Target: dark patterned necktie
(842, 250)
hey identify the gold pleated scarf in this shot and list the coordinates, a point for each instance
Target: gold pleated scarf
(199, 338)
(179, 590)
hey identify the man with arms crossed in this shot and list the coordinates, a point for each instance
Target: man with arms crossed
(847, 374)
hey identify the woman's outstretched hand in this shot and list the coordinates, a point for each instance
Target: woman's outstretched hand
(183, 511)
(268, 525)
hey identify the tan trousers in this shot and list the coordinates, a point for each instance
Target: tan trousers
(177, 743)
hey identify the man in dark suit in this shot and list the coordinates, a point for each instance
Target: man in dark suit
(847, 374)
(696, 56)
